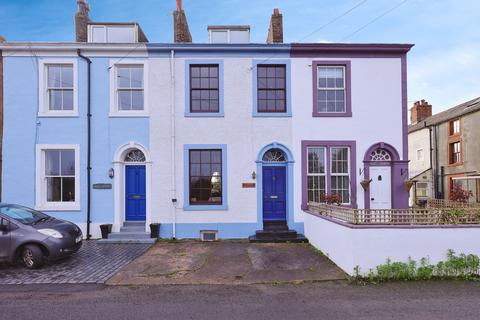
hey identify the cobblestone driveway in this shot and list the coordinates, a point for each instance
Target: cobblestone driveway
(93, 263)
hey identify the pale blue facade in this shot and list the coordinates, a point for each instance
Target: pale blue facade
(24, 129)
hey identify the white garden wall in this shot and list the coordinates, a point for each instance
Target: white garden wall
(367, 248)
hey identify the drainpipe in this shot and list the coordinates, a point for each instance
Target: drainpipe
(172, 119)
(435, 143)
(89, 141)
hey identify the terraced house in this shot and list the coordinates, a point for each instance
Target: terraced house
(226, 139)
(444, 151)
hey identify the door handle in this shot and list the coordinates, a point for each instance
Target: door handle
(273, 197)
(136, 197)
(372, 199)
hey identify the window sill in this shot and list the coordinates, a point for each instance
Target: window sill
(332, 115)
(456, 164)
(204, 115)
(129, 115)
(222, 207)
(58, 115)
(272, 115)
(62, 207)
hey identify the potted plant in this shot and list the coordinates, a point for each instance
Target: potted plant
(365, 184)
(154, 230)
(407, 184)
(106, 229)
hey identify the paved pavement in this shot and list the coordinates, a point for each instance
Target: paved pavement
(227, 262)
(93, 263)
(325, 300)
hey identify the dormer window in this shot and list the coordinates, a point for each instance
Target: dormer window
(115, 33)
(229, 34)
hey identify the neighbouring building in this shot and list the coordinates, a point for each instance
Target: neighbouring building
(221, 138)
(444, 150)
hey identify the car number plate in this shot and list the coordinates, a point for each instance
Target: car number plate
(78, 239)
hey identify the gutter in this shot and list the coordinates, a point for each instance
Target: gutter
(89, 141)
(172, 119)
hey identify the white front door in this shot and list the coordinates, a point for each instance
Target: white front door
(381, 188)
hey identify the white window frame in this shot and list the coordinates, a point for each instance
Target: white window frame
(43, 103)
(422, 188)
(41, 202)
(105, 32)
(114, 111)
(344, 88)
(324, 174)
(348, 174)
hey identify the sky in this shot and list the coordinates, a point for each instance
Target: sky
(443, 66)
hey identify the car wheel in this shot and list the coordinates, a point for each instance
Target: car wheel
(32, 256)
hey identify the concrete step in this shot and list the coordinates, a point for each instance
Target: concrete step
(275, 234)
(300, 238)
(129, 235)
(132, 229)
(275, 225)
(134, 224)
(133, 241)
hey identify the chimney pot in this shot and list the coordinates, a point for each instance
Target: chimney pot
(181, 32)
(420, 111)
(81, 21)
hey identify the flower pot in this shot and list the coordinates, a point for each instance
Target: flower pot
(105, 229)
(407, 184)
(155, 230)
(365, 184)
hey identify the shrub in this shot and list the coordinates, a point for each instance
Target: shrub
(332, 199)
(458, 194)
(460, 266)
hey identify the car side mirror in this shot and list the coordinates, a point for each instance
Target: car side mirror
(4, 228)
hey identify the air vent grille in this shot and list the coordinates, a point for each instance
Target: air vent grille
(209, 235)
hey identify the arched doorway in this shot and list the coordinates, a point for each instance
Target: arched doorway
(132, 181)
(386, 173)
(275, 191)
(274, 185)
(135, 186)
(381, 175)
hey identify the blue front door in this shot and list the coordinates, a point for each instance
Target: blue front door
(135, 208)
(274, 194)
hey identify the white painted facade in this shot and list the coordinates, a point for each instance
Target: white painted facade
(419, 147)
(367, 248)
(243, 134)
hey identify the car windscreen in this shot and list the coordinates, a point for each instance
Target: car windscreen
(22, 214)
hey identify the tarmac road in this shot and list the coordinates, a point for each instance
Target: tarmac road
(323, 300)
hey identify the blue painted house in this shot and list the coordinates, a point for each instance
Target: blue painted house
(227, 139)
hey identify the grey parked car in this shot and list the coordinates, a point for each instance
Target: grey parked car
(33, 236)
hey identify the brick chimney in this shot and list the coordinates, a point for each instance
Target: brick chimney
(181, 32)
(81, 21)
(420, 111)
(275, 31)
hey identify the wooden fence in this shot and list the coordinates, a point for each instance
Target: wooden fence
(429, 216)
(442, 203)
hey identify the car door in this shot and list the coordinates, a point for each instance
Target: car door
(5, 238)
